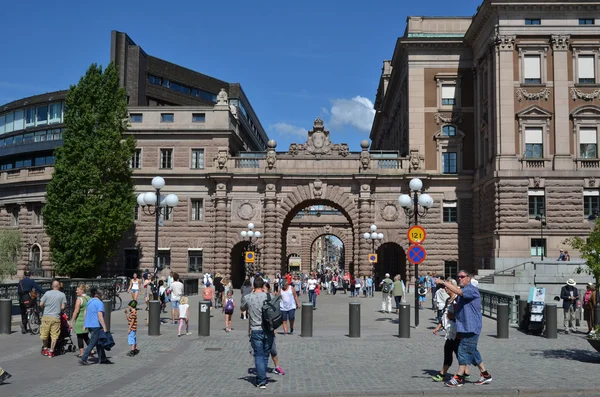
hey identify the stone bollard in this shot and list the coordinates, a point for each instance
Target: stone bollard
(551, 328)
(522, 312)
(404, 321)
(5, 316)
(107, 312)
(502, 321)
(204, 318)
(354, 319)
(154, 318)
(307, 320)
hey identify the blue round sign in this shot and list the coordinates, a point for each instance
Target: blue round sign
(416, 254)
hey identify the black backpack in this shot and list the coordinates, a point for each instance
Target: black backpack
(271, 314)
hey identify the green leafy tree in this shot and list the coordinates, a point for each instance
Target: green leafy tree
(10, 250)
(91, 195)
(590, 251)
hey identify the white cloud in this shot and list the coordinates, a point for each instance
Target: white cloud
(324, 111)
(285, 129)
(357, 112)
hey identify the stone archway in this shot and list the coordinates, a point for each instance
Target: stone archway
(238, 264)
(344, 234)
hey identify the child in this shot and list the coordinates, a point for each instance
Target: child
(422, 295)
(228, 307)
(162, 296)
(131, 314)
(208, 293)
(183, 316)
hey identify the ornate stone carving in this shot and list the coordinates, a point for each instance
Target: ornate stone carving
(578, 94)
(389, 211)
(504, 42)
(317, 188)
(271, 154)
(592, 181)
(440, 119)
(246, 210)
(365, 156)
(318, 143)
(270, 186)
(536, 181)
(523, 94)
(222, 98)
(221, 186)
(560, 42)
(415, 159)
(222, 158)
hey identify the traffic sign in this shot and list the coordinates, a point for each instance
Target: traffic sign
(416, 254)
(416, 234)
(250, 256)
(373, 258)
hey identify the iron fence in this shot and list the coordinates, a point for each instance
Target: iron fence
(489, 305)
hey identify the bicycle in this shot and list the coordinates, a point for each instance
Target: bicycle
(34, 320)
(121, 285)
(115, 300)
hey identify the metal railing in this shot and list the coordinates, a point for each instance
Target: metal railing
(489, 305)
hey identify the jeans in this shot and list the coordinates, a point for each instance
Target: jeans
(261, 343)
(467, 349)
(433, 290)
(312, 297)
(94, 336)
(386, 302)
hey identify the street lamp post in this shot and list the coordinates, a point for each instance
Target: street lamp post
(252, 237)
(373, 236)
(412, 204)
(541, 217)
(154, 204)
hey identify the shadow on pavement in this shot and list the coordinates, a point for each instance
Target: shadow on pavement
(584, 356)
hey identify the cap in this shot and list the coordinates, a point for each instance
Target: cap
(387, 274)
(132, 304)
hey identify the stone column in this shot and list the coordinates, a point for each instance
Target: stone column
(221, 258)
(363, 266)
(505, 103)
(562, 147)
(271, 248)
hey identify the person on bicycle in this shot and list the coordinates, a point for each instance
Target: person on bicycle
(26, 297)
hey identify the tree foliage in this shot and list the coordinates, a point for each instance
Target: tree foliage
(589, 250)
(90, 198)
(10, 250)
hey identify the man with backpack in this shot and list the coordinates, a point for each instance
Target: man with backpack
(28, 291)
(264, 317)
(387, 288)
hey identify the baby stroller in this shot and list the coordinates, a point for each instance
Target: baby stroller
(64, 344)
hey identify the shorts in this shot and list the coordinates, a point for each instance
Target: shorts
(273, 349)
(289, 315)
(133, 291)
(132, 338)
(422, 298)
(467, 349)
(50, 327)
(175, 304)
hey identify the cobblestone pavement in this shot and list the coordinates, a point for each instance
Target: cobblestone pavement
(329, 364)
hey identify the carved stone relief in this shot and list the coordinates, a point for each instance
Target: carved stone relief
(222, 158)
(389, 211)
(317, 188)
(523, 94)
(318, 143)
(560, 42)
(578, 94)
(245, 210)
(504, 43)
(440, 119)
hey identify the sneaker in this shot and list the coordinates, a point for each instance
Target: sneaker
(279, 371)
(438, 378)
(484, 379)
(23, 329)
(136, 351)
(131, 353)
(188, 333)
(45, 352)
(50, 354)
(262, 386)
(566, 331)
(5, 375)
(455, 381)
(291, 332)
(467, 376)
(82, 362)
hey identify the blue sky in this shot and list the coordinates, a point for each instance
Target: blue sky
(295, 60)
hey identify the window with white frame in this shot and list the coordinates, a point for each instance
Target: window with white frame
(591, 201)
(197, 159)
(136, 160)
(532, 69)
(448, 94)
(166, 158)
(588, 143)
(586, 70)
(534, 142)
(14, 216)
(449, 163)
(197, 210)
(449, 130)
(536, 202)
(533, 63)
(37, 215)
(450, 213)
(448, 90)
(538, 246)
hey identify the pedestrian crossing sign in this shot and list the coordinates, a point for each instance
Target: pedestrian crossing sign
(250, 256)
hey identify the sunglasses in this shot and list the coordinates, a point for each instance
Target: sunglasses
(462, 276)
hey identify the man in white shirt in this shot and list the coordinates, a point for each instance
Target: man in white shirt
(176, 294)
(312, 294)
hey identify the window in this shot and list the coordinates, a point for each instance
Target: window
(197, 159)
(36, 257)
(30, 117)
(588, 143)
(9, 118)
(37, 215)
(136, 118)
(166, 158)
(538, 246)
(164, 258)
(449, 130)
(198, 117)
(450, 214)
(42, 115)
(19, 120)
(154, 80)
(195, 261)
(536, 202)
(534, 147)
(584, 21)
(197, 213)
(532, 69)
(14, 216)
(136, 160)
(132, 261)
(451, 269)
(586, 70)
(136, 212)
(55, 114)
(533, 21)
(591, 201)
(167, 117)
(448, 94)
(2, 124)
(449, 163)
(166, 214)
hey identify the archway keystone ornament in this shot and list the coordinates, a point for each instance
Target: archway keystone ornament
(318, 143)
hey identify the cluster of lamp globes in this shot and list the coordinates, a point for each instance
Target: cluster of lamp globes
(149, 198)
(250, 233)
(424, 200)
(373, 235)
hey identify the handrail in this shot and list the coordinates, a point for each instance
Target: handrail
(490, 301)
(500, 272)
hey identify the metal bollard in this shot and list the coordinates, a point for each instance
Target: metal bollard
(522, 313)
(307, 320)
(204, 318)
(502, 321)
(404, 321)
(596, 315)
(551, 328)
(154, 318)
(5, 316)
(354, 319)
(107, 312)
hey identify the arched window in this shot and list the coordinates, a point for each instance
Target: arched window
(449, 130)
(35, 257)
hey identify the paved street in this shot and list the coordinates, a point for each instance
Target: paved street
(329, 364)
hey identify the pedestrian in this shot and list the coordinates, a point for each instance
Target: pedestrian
(134, 287)
(311, 285)
(398, 291)
(369, 284)
(245, 290)
(162, 296)
(228, 308)
(132, 322)
(27, 290)
(261, 340)
(183, 316)
(387, 288)
(432, 288)
(357, 286)
(468, 328)
(176, 294)
(208, 294)
(289, 304)
(53, 302)
(4, 376)
(589, 303)
(78, 317)
(440, 299)
(94, 322)
(422, 295)
(570, 295)
(274, 356)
